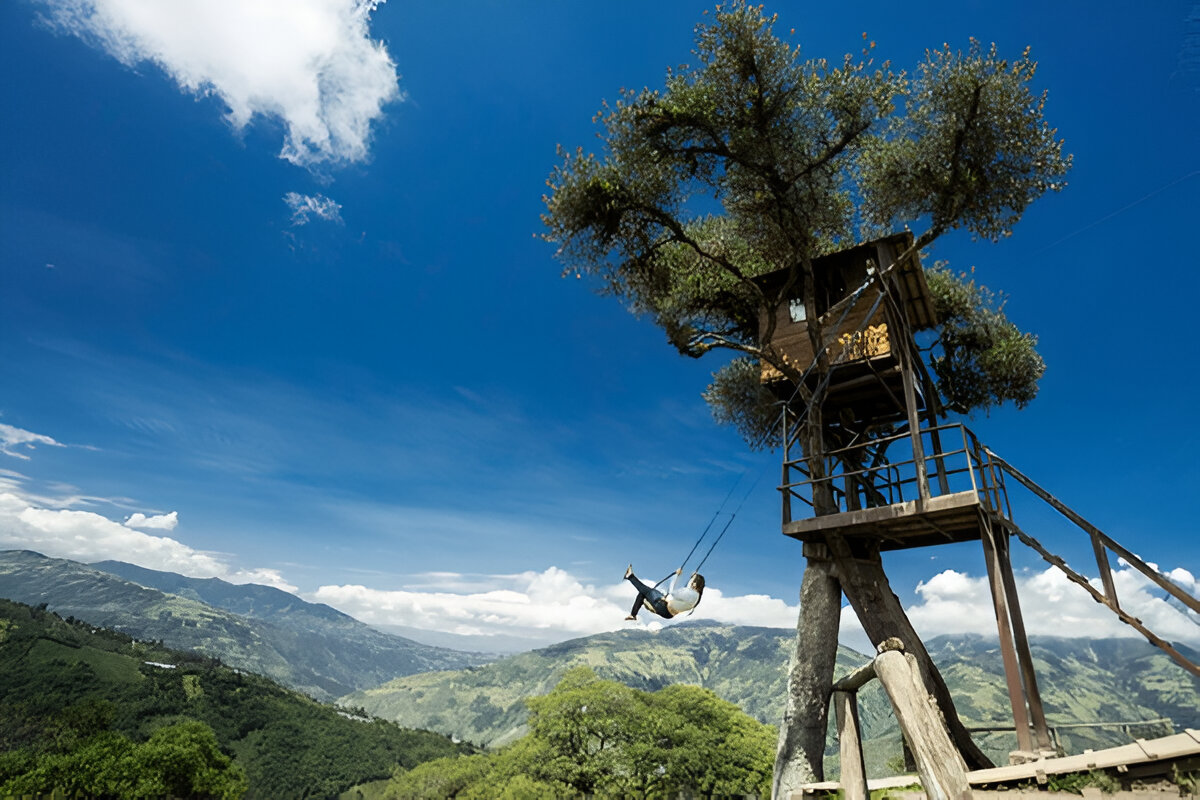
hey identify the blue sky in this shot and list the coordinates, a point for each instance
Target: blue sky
(318, 326)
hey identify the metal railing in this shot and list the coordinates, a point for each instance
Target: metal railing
(883, 471)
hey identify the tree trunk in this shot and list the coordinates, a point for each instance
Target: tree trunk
(882, 616)
(798, 759)
(813, 425)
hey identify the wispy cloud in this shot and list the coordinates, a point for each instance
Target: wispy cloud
(12, 438)
(304, 206)
(309, 63)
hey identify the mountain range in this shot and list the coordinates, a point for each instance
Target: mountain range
(480, 698)
(307, 646)
(1082, 681)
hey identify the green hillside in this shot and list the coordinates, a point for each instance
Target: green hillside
(63, 683)
(306, 646)
(743, 665)
(1082, 681)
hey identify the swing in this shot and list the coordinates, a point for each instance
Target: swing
(677, 601)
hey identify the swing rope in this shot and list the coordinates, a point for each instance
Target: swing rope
(732, 517)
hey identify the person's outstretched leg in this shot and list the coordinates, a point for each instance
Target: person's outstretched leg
(646, 594)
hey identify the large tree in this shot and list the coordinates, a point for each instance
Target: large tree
(754, 160)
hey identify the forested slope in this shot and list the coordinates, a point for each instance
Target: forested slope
(63, 683)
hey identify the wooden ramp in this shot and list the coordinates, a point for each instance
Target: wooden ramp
(1149, 757)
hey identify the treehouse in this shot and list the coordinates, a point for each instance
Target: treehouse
(915, 486)
(860, 341)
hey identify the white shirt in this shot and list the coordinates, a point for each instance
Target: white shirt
(683, 599)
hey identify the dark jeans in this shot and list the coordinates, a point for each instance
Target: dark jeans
(651, 596)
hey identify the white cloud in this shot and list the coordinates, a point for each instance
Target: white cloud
(953, 602)
(11, 438)
(317, 205)
(161, 522)
(552, 605)
(309, 63)
(87, 536)
(542, 607)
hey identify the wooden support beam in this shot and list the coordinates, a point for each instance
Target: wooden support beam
(856, 679)
(943, 773)
(1110, 588)
(882, 616)
(854, 768)
(1008, 652)
(914, 426)
(1037, 713)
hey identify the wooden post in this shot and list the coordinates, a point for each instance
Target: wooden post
(1037, 714)
(786, 479)
(854, 768)
(1008, 652)
(1110, 588)
(942, 770)
(914, 427)
(882, 616)
(898, 328)
(845, 703)
(799, 756)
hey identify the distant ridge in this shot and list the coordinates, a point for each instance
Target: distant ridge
(307, 646)
(1082, 680)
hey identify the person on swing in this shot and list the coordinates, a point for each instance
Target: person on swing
(675, 601)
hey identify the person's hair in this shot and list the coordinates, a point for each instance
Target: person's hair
(697, 582)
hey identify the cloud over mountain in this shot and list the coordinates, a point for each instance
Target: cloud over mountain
(87, 536)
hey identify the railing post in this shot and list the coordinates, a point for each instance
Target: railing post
(967, 452)
(786, 482)
(1110, 588)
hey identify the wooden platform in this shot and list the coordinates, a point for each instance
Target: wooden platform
(1148, 756)
(938, 520)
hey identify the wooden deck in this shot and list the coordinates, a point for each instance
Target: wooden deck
(938, 520)
(1152, 756)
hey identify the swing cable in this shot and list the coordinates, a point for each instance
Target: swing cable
(707, 527)
(732, 517)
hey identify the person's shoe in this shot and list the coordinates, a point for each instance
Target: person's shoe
(628, 572)
(631, 616)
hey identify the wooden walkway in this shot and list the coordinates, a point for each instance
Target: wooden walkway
(1162, 751)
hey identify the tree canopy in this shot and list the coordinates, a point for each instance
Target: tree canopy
(597, 738)
(755, 159)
